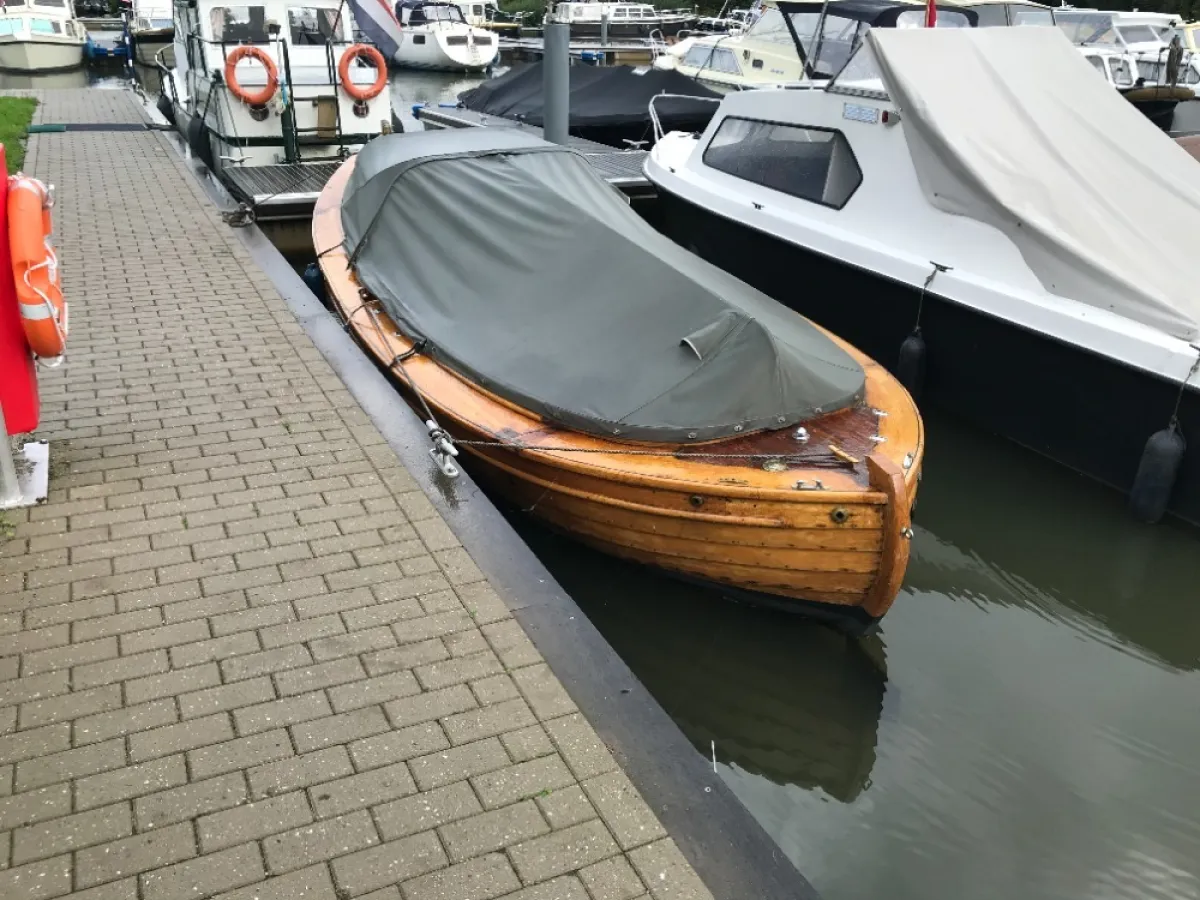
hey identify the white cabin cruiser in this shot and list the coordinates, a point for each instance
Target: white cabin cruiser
(426, 34)
(1014, 232)
(793, 42)
(149, 30)
(40, 36)
(275, 83)
(625, 21)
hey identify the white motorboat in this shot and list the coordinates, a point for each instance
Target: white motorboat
(40, 36)
(436, 35)
(1010, 237)
(273, 84)
(149, 31)
(592, 19)
(793, 41)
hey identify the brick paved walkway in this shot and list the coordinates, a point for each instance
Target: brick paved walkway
(241, 655)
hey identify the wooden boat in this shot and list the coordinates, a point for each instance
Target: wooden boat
(817, 525)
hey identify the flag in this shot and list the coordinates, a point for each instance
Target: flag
(930, 14)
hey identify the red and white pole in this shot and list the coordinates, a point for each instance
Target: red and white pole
(930, 14)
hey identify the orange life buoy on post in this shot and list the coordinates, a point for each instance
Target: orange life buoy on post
(35, 267)
(352, 53)
(246, 51)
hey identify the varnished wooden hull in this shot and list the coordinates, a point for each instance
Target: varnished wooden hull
(837, 552)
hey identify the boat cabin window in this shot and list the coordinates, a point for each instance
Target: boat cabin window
(1122, 75)
(56, 4)
(991, 15)
(814, 164)
(1087, 29)
(712, 59)
(860, 76)
(1098, 65)
(477, 11)
(44, 26)
(10, 26)
(771, 27)
(619, 13)
(312, 26)
(1138, 34)
(915, 18)
(1028, 15)
(422, 15)
(239, 24)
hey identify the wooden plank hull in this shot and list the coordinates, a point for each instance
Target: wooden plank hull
(820, 531)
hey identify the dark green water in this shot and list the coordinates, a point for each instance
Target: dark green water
(1026, 725)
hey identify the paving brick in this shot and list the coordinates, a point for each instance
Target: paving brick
(240, 754)
(426, 810)
(126, 667)
(134, 855)
(493, 830)
(72, 655)
(340, 729)
(70, 612)
(527, 779)
(352, 644)
(455, 671)
(206, 875)
(312, 883)
(388, 863)
(562, 851)
(69, 706)
(527, 743)
(250, 619)
(178, 681)
(437, 769)
(158, 595)
(544, 691)
(383, 661)
(226, 697)
(184, 736)
(34, 806)
(335, 798)
(476, 724)
(612, 879)
(478, 879)
(320, 841)
(494, 689)
(439, 601)
(130, 782)
(465, 643)
(188, 801)
(299, 772)
(431, 705)
(214, 650)
(565, 806)
(36, 687)
(69, 764)
(205, 607)
(397, 746)
(105, 626)
(69, 833)
(129, 720)
(482, 602)
(623, 810)
(265, 662)
(37, 881)
(511, 644)
(665, 869)
(166, 636)
(322, 675)
(412, 630)
(125, 889)
(580, 746)
(253, 821)
(307, 630)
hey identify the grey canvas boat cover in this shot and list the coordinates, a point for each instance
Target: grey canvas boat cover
(526, 273)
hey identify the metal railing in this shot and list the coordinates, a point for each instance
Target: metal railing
(654, 120)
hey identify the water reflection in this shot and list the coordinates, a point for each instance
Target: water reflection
(96, 76)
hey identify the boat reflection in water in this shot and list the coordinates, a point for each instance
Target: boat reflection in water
(787, 700)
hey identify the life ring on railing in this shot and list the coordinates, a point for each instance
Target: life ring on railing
(362, 94)
(247, 51)
(35, 267)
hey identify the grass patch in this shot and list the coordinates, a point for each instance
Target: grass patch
(15, 115)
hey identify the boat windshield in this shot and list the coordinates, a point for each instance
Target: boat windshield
(309, 26)
(239, 24)
(861, 75)
(1139, 34)
(422, 15)
(1086, 28)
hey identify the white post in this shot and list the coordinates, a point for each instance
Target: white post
(10, 488)
(31, 485)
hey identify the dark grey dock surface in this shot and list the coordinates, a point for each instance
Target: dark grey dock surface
(620, 168)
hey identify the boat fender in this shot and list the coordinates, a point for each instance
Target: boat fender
(910, 368)
(1156, 474)
(166, 108)
(197, 140)
(315, 283)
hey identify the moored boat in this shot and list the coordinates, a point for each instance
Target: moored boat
(619, 388)
(41, 36)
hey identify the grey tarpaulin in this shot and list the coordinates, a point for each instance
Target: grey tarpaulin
(528, 274)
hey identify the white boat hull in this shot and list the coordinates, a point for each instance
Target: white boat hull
(40, 55)
(437, 54)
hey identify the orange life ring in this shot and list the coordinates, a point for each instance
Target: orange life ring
(381, 73)
(247, 51)
(35, 267)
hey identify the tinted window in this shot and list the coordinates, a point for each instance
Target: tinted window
(312, 26)
(240, 24)
(59, 4)
(10, 26)
(990, 14)
(810, 163)
(712, 59)
(1024, 16)
(44, 26)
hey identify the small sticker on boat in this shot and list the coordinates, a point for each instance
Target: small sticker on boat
(855, 113)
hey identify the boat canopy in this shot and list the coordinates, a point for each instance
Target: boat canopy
(523, 271)
(880, 13)
(1102, 204)
(600, 96)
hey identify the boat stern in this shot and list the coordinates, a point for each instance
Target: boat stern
(468, 49)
